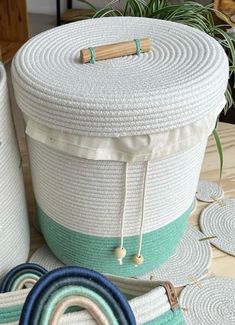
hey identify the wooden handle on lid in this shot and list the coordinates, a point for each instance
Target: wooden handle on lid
(115, 50)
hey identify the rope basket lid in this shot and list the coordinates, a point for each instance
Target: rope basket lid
(210, 303)
(181, 80)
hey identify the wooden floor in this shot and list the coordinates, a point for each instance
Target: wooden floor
(222, 264)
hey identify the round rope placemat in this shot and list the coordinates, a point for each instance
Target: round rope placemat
(44, 257)
(194, 206)
(208, 191)
(189, 263)
(211, 303)
(217, 220)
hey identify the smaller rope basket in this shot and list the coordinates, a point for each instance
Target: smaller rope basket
(14, 229)
(149, 302)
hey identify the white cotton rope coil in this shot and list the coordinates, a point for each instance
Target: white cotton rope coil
(190, 262)
(14, 229)
(209, 191)
(70, 189)
(180, 81)
(218, 220)
(210, 304)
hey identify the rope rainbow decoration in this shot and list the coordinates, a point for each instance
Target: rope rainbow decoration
(68, 287)
(14, 289)
(21, 276)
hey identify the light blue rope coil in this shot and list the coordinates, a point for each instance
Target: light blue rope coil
(92, 51)
(138, 46)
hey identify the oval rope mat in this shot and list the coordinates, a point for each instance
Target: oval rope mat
(211, 303)
(194, 206)
(44, 257)
(208, 191)
(218, 219)
(189, 263)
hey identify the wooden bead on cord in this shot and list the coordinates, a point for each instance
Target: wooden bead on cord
(138, 259)
(120, 253)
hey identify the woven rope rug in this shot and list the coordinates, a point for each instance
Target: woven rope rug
(208, 191)
(211, 303)
(111, 143)
(14, 229)
(218, 220)
(190, 262)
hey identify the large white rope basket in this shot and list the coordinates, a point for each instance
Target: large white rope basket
(14, 229)
(116, 147)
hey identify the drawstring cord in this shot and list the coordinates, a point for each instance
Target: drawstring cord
(138, 258)
(120, 252)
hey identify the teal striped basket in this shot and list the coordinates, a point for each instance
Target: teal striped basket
(116, 147)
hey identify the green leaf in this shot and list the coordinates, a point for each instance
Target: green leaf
(107, 12)
(88, 4)
(220, 151)
(228, 42)
(136, 8)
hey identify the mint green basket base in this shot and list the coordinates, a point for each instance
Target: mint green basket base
(96, 252)
(12, 314)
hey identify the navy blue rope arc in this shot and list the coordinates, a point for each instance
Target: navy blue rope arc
(87, 283)
(68, 273)
(19, 270)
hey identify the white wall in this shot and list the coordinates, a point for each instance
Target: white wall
(49, 6)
